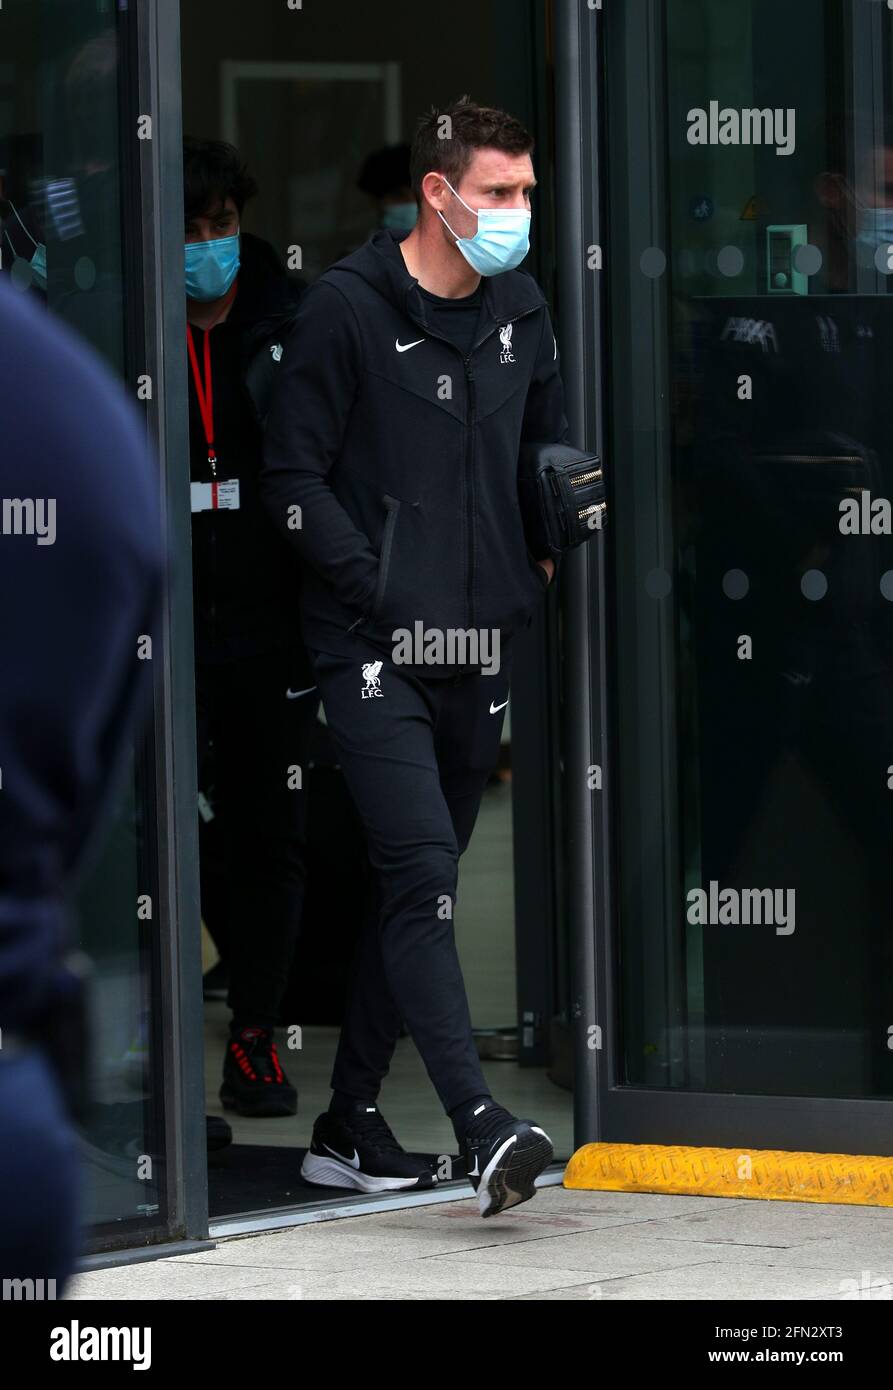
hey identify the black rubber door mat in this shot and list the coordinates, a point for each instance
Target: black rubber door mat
(255, 1177)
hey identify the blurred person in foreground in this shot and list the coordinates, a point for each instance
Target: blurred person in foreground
(81, 569)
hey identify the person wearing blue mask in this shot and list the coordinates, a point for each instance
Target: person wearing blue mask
(255, 693)
(858, 236)
(421, 365)
(385, 179)
(25, 254)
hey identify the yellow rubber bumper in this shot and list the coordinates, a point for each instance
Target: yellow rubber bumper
(770, 1174)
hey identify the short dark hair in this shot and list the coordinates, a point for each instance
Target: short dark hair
(471, 127)
(212, 172)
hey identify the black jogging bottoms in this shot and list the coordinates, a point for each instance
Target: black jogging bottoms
(416, 753)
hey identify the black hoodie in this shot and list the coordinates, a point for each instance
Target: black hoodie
(72, 615)
(245, 578)
(398, 457)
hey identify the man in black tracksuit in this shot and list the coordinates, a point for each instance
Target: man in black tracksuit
(256, 700)
(417, 367)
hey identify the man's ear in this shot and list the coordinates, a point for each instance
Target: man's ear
(435, 191)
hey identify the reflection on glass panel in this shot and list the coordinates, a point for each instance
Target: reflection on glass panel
(61, 239)
(309, 126)
(750, 336)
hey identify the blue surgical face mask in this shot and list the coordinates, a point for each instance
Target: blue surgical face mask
(501, 241)
(211, 267)
(39, 266)
(400, 217)
(38, 261)
(875, 229)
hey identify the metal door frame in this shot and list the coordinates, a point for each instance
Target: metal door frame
(179, 1029)
(605, 1110)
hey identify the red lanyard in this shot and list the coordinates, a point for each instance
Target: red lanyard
(205, 396)
(205, 393)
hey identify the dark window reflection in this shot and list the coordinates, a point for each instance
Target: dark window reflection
(62, 165)
(754, 651)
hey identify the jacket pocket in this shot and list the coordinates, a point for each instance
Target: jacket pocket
(384, 561)
(538, 572)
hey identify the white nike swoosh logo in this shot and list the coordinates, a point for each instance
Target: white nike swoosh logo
(494, 709)
(293, 694)
(354, 1162)
(474, 1172)
(404, 347)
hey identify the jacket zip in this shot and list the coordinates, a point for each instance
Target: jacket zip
(469, 490)
(469, 434)
(393, 506)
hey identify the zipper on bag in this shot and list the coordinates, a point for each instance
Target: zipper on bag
(586, 478)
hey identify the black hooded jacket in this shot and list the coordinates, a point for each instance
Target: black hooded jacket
(245, 579)
(399, 456)
(73, 613)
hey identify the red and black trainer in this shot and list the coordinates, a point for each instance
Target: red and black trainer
(253, 1080)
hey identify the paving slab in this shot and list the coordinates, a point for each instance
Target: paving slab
(709, 1281)
(565, 1245)
(164, 1279)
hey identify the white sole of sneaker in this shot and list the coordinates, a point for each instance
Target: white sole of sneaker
(510, 1176)
(328, 1172)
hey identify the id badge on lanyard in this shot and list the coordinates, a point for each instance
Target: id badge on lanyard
(221, 494)
(216, 497)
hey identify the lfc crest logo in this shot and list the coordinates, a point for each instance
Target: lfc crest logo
(372, 689)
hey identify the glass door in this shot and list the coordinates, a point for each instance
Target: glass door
(321, 107)
(89, 116)
(749, 253)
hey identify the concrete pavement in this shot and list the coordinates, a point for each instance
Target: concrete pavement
(562, 1245)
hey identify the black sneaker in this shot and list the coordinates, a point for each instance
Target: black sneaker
(358, 1150)
(503, 1157)
(253, 1080)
